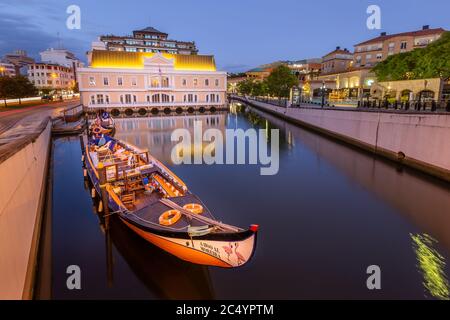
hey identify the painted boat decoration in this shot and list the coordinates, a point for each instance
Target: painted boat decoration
(157, 205)
(103, 124)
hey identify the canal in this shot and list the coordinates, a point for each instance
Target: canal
(329, 213)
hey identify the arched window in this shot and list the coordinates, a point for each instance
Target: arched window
(195, 98)
(165, 98)
(217, 98)
(155, 98)
(165, 82)
(154, 82)
(206, 82)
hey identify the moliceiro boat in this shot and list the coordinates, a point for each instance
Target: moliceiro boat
(154, 203)
(102, 124)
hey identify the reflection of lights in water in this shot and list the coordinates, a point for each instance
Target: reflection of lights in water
(431, 263)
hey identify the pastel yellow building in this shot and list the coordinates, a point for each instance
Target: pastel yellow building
(148, 80)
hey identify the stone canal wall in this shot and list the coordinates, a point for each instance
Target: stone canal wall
(419, 140)
(22, 187)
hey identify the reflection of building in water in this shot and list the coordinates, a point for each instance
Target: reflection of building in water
(431, 265)
(155, 133)
(424, 202)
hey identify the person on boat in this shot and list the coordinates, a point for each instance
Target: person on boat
(131, 161)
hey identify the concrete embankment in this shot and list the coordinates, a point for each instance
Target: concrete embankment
(24, 156)
(419, 140)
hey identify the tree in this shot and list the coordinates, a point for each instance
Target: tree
(429, 62)
(7, 88)
(280, 82)
(245, 87)
(23, 88)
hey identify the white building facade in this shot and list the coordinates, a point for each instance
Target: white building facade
(129, 80)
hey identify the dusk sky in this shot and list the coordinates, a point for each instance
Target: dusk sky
(240, 33)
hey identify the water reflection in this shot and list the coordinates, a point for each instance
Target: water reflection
(423, 200)
(431, 264)
(155, 132)
(163, 274)
(330, 212)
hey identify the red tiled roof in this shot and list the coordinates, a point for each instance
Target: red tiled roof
(418, 33)
(338, 51)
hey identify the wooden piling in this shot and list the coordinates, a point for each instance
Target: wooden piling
(104, 193)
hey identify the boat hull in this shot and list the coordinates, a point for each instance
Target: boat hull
(225, 253)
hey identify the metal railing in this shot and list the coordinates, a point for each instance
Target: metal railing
(413, 105)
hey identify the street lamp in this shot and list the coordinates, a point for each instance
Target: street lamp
(323, 94)
(2, 70)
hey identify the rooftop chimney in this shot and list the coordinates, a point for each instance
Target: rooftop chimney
(426, 27)
(383, 34)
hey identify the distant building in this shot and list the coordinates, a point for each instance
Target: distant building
(151, 81)
(259, 73)
(338, 60)
(353, 80)
(62, 57)
(7, 69)
(52, 77)
(20, 60)
(145, 40)
(370, 52)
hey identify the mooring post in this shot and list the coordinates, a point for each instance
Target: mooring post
(104, 194)
(82, 144)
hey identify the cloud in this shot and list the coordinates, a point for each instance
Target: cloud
(17, 31)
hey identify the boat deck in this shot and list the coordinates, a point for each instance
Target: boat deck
(149, 215)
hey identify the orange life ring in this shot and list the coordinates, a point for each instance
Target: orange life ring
(96, 130)
(169, 217)
(194, 208)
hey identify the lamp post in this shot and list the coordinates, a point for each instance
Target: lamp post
(323, 94)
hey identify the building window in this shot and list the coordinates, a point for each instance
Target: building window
(379, 56)
(165, 82)
(206, 82)
(121, 99)
(368, 57)
(154, 82)
(99, 99)
(165, 98)
(106, 99)
(195, 82)
(184, 82)
(105, 81)
(133, 81)
(119, 81)
(403, 45)
(128, 98)
(91, 81)
(92, 99)
(155, 98)
(217, 82)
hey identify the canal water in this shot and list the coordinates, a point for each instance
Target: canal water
(330, 213)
